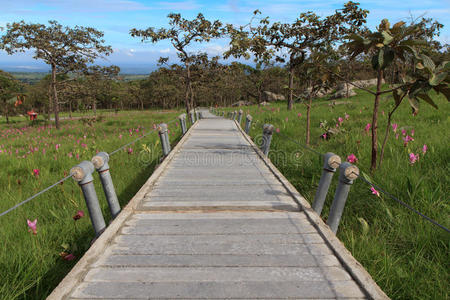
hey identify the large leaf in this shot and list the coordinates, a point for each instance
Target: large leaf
(444, 89)
(387, 38)
(436, 79)
(414, 104)
(428, 62)
(397, 97)
(427, 99)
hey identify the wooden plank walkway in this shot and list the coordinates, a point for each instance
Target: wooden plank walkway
(216, 221)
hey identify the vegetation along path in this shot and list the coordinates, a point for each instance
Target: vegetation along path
(217, 220)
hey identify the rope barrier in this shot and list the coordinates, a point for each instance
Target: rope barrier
(373, 185)
(35, 195)
(70, 175)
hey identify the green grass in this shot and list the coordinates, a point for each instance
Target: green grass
(406, 255)
(30, 265)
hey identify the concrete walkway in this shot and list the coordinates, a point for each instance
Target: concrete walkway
(216, 222)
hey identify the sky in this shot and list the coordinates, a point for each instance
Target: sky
(116, 17)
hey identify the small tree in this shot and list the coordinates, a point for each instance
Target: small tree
(182, 33)
(292, 42)
(400, 43)
(65, 49)
(9, 90)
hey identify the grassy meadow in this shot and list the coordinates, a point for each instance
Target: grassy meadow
(34, 156)
(406, 255)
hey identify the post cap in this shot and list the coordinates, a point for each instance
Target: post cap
(250, 118)
(241, 111)
(162, 128)
(182, 116)
(348, 172)
(100, 160)
(83, 172)
(331, 161)
(268, 129)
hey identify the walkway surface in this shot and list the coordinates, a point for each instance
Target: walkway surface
(215, 223)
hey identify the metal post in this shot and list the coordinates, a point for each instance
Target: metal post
(248, 123)
(330, 162)
(197, 115)
(82, 173)
(347, 173)
(100, 161)
(182, 118)
(200, 115)
(223, 114)
(240, 116)
(162, 136)
(234, 115)
(192, 116)
(266, 138)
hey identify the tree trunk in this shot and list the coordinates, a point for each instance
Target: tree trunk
(308, 119)
(6, 113)
(55, 97)
(388, 129)
(188, 84)
(376, 105)
(94, 106)
(291, 85)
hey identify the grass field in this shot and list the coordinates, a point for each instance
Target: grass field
(34, 157)
(407, 256)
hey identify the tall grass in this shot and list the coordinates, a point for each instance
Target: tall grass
(31, 265)
(406, 255)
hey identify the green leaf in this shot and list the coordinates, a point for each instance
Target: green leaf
(436, 79)
(364, 225)
(427, 99)
(387, 38)
(428, 63)
(388, 57)
(365, 176)
(414, 104)
(397, 97)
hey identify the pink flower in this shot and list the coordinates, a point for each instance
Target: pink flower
(407, 139)
(403, 132)
(367, 128)
(337, 125)
(79, 215)
(412, 132)
(299, 115)
(57, 146)
(324, 136)
(424, 149)
(340, 120)
(277, 130)
(36, 172)
(352, 158)
(68, 257)
(413, 158)
(347, 116)
(286, 119)
(120, 136)
(374, 191)
(43, 151)
(396, 136)
(77, 156)
(83, 145)
(70, 154)
(32, 226)
(130, 150)
(394, 127)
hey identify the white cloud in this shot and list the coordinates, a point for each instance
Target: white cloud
(166, 50)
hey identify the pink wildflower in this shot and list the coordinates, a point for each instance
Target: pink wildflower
(337, 125)
(324, 136)
(403, 132)
(277, 130)
(32, 226)
(79, 215)
(352, 158)
(120, 136)
(36, 172)
(394, 127)
(424, 149)
(413, 158)
(299, 115)
(367, 128)
(68, 257)
(374, 191)
(57, 146)
(130, 151)
(412, 132)
(77, 156)
(70, 154)
(407, 139)
(347, 116)
(287, 119)
(340, 120)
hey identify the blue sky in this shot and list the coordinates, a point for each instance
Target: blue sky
(116, 17)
